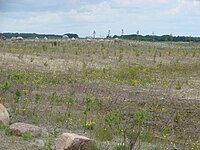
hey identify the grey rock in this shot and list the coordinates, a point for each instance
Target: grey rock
(21, 128)
(71, 141)
(4, 116)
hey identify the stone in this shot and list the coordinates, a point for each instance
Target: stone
(4, 116)
(71, 141)
(20, 128)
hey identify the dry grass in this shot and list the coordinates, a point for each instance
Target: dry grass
(158, 80)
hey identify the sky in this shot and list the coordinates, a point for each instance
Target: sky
(176, 17)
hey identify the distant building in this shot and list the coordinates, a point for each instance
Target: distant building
(73, 39)
(89, 40)
(65, 36)
(19, 38)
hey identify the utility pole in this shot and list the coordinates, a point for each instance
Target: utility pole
(153, 36)
(108, 34)
(171, 38)
(138, 32)
(122, 33)
(94, 33)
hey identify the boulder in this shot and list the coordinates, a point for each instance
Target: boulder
(71, 141)
(4, 116)
(21, 128)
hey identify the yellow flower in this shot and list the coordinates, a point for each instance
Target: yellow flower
(90, 125)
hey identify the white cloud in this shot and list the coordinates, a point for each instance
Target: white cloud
(185, 7)
(136, 2)
(175, 10)
(81, 15)
(196, 3)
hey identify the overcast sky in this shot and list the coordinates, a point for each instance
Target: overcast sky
(179, 17)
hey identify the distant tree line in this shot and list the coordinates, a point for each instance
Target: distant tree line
(33, 35)
(130, 37)
(159, 38)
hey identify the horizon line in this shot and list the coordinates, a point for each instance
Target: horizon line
(57, 34)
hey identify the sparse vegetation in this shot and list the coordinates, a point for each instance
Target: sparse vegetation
(128, 94)
(27, 136)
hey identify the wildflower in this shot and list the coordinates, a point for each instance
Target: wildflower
(90, 125)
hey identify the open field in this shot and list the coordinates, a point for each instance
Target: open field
(122, 94)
